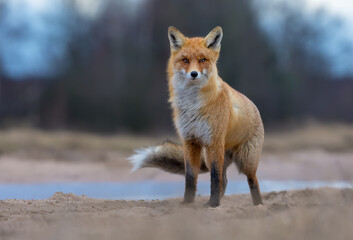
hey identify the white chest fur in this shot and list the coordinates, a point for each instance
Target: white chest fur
(189, 121)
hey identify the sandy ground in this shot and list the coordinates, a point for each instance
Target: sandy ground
(314, 153)
(306, 214)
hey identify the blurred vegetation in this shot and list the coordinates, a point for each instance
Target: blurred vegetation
(114, 76)
(58, 144)
(30, 140)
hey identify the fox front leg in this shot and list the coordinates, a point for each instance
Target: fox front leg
(192, 152)
(217, 176)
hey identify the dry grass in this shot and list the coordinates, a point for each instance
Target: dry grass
(16, 139)
(333, 137)
(336, 137)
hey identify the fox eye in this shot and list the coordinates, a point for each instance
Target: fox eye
(202, 60)
(185, 60)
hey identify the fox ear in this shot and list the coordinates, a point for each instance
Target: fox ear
(176, 38)
(213, 39)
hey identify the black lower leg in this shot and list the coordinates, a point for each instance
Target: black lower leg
(254, 190)
(227, 161)
(190, 184)
(224, 182)
(215, 186)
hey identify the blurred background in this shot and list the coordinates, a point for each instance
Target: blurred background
(100, 65)
(83, 83)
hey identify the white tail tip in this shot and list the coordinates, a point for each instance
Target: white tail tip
(141, 155)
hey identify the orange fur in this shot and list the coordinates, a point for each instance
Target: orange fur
(234, 121)
(217, 124)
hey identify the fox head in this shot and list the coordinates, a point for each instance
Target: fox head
(194, 59)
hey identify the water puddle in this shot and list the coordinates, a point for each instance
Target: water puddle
(146, 190)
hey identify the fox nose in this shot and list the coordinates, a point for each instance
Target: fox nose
(194, 74)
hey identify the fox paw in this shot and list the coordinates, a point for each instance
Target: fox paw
(212, 204)
(187, 201)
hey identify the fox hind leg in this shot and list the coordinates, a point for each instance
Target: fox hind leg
(254, 189)
(247, 159)
(227, 162)
(224, 182)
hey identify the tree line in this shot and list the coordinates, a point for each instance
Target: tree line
(114, 78)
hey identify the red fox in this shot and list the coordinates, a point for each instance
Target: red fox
(216, 124)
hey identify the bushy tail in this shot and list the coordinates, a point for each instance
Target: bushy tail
(168, 157)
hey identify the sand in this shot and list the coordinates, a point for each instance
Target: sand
(305, 214)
